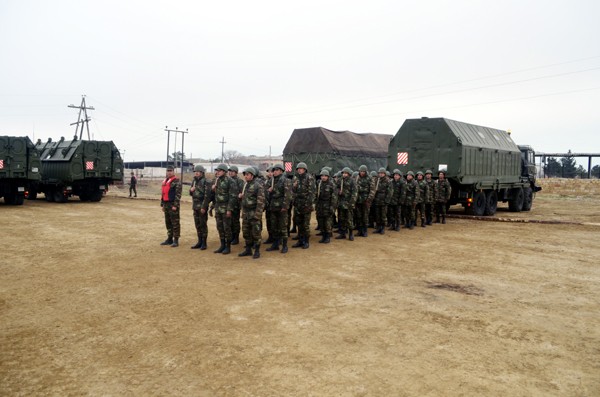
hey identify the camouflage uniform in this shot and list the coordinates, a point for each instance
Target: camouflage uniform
(443, 190)
(226, 197)
(281, 198)
(410, 198)
(200, 199)
(365, 193)
(327, 199)
(383, 196)
(303, 186)
(172, 215)
(397, 186)
(423, 193)
(429, 200)
(347, 199)
(253, 204)
(268, 184)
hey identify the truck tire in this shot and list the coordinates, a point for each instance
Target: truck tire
(528, 198)
(515, 204)
(477, 207)
(19, 199)
(49, 194)
(32, 194)
(59, 196)
(9, 199)
(491, 202)
(96, 196)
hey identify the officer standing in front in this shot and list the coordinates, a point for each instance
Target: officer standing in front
(200, 192)
(170, 203)
(253, 203)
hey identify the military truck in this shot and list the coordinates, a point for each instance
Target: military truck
(77, 168)
(19, 168)
(484, 165)
(319, 147)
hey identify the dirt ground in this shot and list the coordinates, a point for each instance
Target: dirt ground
(91, 304)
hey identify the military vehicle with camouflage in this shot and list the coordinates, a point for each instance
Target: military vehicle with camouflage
(484, 165)
(319, 147)
(19, 168)
(77, 168)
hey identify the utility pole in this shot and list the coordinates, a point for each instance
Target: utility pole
(82, 108)
(176, 130)
(222, 142)
(182, 152)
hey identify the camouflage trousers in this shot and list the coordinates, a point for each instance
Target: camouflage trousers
(200, 221)
(408, 212)
(268, 221)
(428, 212)
(172, 221)
(362, 214)
(394, 212)
(440, 209)
(223, 226)
(251, 227)
(346, 220)
(302, 221)
(279, 223)
(420, 209)
(381, 215)
(235, 222)
(325, 219)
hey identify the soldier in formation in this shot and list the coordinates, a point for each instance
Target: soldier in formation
(326, 199)
(225, 200)
(395, 208)
(201, 197)
(429, 199)
(252, 204)
(280, 193)
(170, 202)
(383, 196)
(235, 214)
(365, 192)
(423, 193)
(346, 190)
(409, 199)
(443, 190)
(303, 187)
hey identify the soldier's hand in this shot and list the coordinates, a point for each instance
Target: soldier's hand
(174, 208)
(202, 211)
(283, 210)
(193, 189)
(228, 214)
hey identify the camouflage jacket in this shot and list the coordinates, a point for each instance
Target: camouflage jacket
(365, 189)
(226, 194)
(202, 193)
(253, 197)
(240, 185)
(411, 193)
(397, 187)
(327, 197)
(430, 192)
(383, 191)
(423, 191)
(281, 196)
(174, 193)
(347, 193)
(303, 188)
(443, 190)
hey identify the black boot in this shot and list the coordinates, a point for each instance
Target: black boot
(235, 240)
(364, 231)
(342, 235)
(284, 247)
(221, 248)
(299, 243)
(269, 240)
(175, 243)
(256, 251)
(382, 230)
(323, 237)
(350, 235)
(203, 243)
(274, 246)
(246, 252)
(198, 244)
(411, 225)
(227, 249)
(168, 241)
(422, 222)
(327, 239)
(305, 244)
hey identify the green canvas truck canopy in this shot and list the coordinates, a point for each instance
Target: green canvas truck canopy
(319, 147)
(471, 154)
(19, 158)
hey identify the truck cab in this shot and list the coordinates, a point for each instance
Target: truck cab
(528, 168)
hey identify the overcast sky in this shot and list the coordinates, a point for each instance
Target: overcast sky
(253, 71)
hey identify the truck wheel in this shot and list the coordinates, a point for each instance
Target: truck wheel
(19, 199)
(32, 194)
(49, 195)
(478, 205)
(96, 196)
(528, 199)
(59, 196)
(491, 202)
(515, 204)
(84, 197)
(9, 199)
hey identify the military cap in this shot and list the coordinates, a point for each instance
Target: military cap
(170, 168)
(363, 168)
(199, 168)
(250, 170)
(278, 166)
(347, 170)
(428, 172)
(442, 171)
(328, 169)
(388, 173)
(257, 171)
(338, 174)
(233, 168)
(381, 169)
(324, 172)
(373, 173)
(410, 173)
(420, 173)
(355, 173)
(222, 167)
(302, 165)
(397, 171)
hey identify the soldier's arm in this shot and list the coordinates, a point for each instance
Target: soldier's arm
(287, 194)
(372, 191)
(389, 193)
(207, 194)
(312, 191)
(233, 195)
(354, 195)
(177, 201)
(448, 191)
(334, 198)
(260, 200)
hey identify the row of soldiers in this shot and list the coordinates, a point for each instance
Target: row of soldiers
(346, 199)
